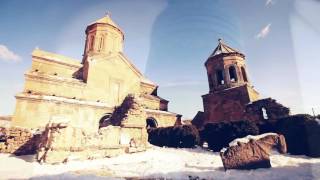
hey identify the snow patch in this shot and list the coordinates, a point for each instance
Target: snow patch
(249, 137)
(158, 163)
(66, 100)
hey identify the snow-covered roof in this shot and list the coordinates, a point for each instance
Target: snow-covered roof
(159, 111)
(55, 57)
(247, 138)
(64, 99)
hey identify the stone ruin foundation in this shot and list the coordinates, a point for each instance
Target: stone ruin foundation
(61, 142)
(18, 141)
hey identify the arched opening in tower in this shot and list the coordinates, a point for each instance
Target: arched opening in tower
(210, 81)
(101, 44)
(220, 78)
(244, 74)
(105, 121)
(151, 123)
(232, 74)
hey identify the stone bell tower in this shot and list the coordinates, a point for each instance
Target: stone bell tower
(103, 38)
(229, 86)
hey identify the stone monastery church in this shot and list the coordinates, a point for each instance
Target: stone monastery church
(58, 87)
(66, 106)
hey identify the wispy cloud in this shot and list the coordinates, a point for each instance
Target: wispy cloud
(7, 55)
(264, 32)
(269, 2)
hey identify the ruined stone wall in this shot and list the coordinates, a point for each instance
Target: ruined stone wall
(273, 110)
(61, 143)
(18, 141)
(260, 111)
(5, 121)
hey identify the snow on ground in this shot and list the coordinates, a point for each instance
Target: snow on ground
(158, 163)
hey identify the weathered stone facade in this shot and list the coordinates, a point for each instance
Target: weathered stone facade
(227, 105)
(59, 87)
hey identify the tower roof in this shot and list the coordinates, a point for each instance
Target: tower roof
(222, 48)
(106, 20)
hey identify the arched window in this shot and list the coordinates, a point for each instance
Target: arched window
(151, 123)
(220, 78)
(101, 43)
(105, 121)
(244, 74)
(233, 74)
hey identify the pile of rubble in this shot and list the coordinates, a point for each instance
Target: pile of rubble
(18, 141)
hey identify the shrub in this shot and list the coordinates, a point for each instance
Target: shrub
(302, 133)
(267, 127)
(185, 136)
(121, 111)
(218, 135)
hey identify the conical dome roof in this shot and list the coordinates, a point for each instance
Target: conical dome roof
(106, 20)
(222, 48)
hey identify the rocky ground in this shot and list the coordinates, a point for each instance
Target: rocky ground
(158, 163)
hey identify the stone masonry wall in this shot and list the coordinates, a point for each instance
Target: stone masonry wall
(18, 141)
(61, 143)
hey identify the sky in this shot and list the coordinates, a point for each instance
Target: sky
(169, 41)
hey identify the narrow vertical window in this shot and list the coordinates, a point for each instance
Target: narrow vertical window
(233, 74)
(244, 74)
(220, 78)
(101, 43)
(91, 43)
(210, 81)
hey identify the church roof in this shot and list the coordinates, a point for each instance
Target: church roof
(136, 70)
(57, 58)
(106, 20)
(222, 48)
